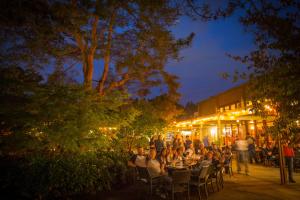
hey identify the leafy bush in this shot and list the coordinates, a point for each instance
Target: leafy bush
(45, 176)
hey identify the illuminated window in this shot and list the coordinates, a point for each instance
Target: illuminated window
(232, 106)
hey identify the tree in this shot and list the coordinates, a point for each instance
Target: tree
(154, 115)
(274, 66)
(130, 38)
(37, 115)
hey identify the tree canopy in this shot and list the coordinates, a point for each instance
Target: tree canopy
(129, 42)
(274, 65)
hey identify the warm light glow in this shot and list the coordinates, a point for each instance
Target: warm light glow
(186, 132)
(213, 131)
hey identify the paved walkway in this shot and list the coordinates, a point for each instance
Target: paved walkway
(263, 183)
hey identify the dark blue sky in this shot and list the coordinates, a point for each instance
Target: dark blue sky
(199, 71)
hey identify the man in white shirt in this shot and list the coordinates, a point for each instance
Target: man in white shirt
(139, 159)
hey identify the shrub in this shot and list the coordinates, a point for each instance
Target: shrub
(46, 176)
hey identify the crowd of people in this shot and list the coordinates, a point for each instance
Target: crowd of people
(163, 154)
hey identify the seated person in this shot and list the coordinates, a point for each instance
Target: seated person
(202, 150)
(153, 164)
(189, 152)
(139, 159)
(207, 161)
(268, 151)
(227, 152)
(215, 148)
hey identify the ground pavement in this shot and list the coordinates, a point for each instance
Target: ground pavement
(263, 183)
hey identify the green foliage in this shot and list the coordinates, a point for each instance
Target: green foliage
(274, 65)
(37, 115)
(154, 115)
(62, 175)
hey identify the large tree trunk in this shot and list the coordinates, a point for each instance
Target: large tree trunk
(103, 79)
(88, 54)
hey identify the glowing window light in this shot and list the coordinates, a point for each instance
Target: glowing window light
(186, 132)
(213, 131)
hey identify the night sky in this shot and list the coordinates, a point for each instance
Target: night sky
(199, 71)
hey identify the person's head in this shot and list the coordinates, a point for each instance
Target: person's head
(209, 155)
(180, 151)
(214, 146)
(152, 154)
(201, 146)
(216, 155)
(191, 146)
(140, 151)
(187, 137)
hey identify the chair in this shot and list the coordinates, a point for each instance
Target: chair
(145, 177)
(131, 175)
(201, 181)
(180, 182)
(229, 166)
(216, 176)
(213, 178)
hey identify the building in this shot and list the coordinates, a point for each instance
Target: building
(226, 115)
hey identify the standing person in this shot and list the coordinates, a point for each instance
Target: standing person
(251, 148)
(206, 142)
(152, 142)
(289, 155)
(242, 154)
(162, 158)
(159, 144)
(188, 142)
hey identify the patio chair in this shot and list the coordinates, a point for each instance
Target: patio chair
(145, 176)
(212, 178)
(228, 166)
(180, 182)
(215, 177)
(201, 181)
